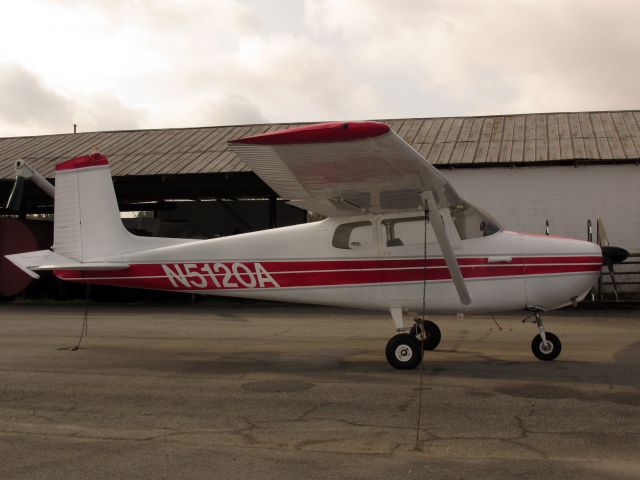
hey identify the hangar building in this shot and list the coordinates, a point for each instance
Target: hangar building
(534, 172)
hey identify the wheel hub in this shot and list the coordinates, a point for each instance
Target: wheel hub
(403, 353)
(546, 347)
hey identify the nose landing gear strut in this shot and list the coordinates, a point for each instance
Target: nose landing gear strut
(546, 345)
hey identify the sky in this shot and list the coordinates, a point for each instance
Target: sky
(133, 64)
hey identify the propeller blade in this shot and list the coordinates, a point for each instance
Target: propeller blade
(613, 279)
(447, 249)
(611, 256)
(15, 198)
(601, 234)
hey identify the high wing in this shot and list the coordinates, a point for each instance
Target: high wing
(342, 169)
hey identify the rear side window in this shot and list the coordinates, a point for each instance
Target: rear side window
(353, 236)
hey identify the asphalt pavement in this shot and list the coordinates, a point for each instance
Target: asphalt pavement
(239, 391)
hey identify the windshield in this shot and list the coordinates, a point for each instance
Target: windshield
(472, 222)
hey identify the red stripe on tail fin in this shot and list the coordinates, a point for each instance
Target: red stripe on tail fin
(93, 160)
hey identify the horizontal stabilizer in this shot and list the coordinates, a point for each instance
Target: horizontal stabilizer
(47, 260)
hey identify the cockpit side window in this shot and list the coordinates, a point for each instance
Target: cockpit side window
(472, 222)
(353, 236)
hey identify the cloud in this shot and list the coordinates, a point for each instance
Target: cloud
(199, 52)
(170, 63)
(172, 16)
(26, 102)
(290, 78)
(226, 109)
(30, 107)
(471, 57)
(105, 112)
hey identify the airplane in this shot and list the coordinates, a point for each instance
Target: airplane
(397, 237)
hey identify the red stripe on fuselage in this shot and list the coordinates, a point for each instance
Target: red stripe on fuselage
(270, 274)
(418, 262)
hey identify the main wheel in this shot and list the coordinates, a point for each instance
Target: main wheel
(548, 351)
(433, 335)
(404, 351)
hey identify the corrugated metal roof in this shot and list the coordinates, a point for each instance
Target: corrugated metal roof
(530, 139)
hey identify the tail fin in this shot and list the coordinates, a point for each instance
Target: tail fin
(87, 222)
(88, 233)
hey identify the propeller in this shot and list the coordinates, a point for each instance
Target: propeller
(610, 254)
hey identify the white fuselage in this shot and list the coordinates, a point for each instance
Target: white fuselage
(354, 262)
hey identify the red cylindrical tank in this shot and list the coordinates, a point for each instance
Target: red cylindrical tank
(18, 236)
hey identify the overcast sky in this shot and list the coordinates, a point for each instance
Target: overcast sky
(123, 64)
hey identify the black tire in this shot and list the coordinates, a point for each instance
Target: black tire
(404, 351)
(433, 335)
(548, 353)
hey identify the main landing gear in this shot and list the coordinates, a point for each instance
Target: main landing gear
(430, 335)
(545, 346)
(405, 350)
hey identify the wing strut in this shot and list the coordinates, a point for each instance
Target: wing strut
(445, 246)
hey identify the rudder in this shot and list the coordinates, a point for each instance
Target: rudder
(87, 223)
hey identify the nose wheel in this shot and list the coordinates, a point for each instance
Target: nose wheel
(546, 345)
(546, 350)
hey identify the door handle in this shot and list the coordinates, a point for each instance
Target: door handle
(499, 259)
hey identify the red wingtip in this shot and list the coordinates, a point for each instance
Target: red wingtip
(319, 133)
(93, 160)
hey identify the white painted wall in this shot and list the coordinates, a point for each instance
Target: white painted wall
(523, 198)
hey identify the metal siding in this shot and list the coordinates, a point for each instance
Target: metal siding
(404, 129)
(497, 131)
(395, 124)
(554, 151)
(472, 141)
(591, 149)
(508, 139)
(451, 141)
(439, 147)
(20, 149)
(410, 136)
(465, 130)
(469, 152)
(174, 150)
(429, 140)
(632, 123)
(576, 137)
(483, 144)
(600, 136)
(624, 135)
(542, 142)
(612, 135)
(424, 130)
(564, 132)
(517, 149)
(530, 138)
(79, 146)
(457, 153)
